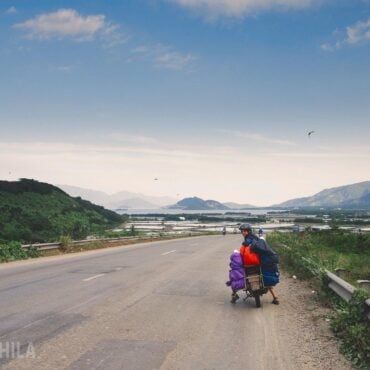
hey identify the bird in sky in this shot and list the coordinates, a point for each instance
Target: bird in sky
(310, 133)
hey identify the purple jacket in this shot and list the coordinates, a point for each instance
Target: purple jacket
(237, 273)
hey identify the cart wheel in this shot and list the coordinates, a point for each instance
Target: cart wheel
(257, 298)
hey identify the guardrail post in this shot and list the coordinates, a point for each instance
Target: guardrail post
(364, 284)
(368, 308)
(342, 273)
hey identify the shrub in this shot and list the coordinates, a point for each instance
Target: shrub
(13, 251)
(308, 255)
(352, 327)
(65, 242)
(33, 252)
(327, 249)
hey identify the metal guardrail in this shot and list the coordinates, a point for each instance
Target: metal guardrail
(341, 287)
(344, 289)
(57, 245)
(49, 246)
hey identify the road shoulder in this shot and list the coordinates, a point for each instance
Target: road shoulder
(304, 325)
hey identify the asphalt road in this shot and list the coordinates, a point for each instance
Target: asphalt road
(147, 306)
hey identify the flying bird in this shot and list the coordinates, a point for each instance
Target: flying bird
(310, 133)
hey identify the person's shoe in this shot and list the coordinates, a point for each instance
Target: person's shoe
(234, 298)
(275, 301)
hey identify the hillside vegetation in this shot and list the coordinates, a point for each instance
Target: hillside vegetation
(329, 249)
(32, 211)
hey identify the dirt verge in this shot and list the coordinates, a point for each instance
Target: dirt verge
(313, 346)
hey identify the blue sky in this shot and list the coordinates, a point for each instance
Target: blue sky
(215, 98)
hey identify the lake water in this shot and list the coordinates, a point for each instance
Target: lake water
(252, 211)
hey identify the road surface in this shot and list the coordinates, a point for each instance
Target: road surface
(161, 305)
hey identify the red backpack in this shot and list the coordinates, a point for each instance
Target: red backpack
(249, 258)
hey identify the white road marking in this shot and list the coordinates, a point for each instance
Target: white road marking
(93, 277)
(163, 254)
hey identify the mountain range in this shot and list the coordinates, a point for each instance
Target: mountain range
(125, 200)
(354, 196)
(120, 200)
(348, 196)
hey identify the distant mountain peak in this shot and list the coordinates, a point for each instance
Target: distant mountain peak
(346, 196)
(196, 203)
(119, 199)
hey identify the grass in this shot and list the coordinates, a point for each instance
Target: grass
(328, 249)
(308, 255)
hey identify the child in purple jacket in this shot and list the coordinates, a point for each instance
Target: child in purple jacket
(236, 275)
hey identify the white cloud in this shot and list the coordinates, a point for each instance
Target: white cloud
(68, 23)
(360, 32)
(63, 23)
(140, 49)
(357, 34)
(112, 36)
(12, 10)
(258, 137)
(174, 60)
(239, 8)
(322, 155)
(327, 47)
(164, 56)
(65, 69)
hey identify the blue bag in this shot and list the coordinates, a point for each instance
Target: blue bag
(270, 278)
(262, 248)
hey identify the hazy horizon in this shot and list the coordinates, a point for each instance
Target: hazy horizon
(212, 99)
(129, 195)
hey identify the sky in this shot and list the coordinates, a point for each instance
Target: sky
(213, 98)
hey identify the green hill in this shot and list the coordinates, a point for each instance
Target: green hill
(32, 211)
(196, 203)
